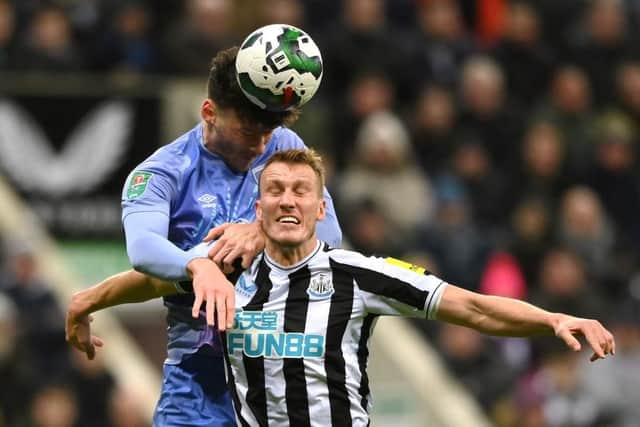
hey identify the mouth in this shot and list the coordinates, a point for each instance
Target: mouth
(288, 219)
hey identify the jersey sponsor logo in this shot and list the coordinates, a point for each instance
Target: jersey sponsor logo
(245, 287)
(320, 287)
(138, 184)
(255, 333)
(406, 265)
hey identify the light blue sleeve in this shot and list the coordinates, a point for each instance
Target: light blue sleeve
(149, 250)
(146, 211)
(328, 229)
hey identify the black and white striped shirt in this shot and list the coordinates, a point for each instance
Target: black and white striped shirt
(297, 353)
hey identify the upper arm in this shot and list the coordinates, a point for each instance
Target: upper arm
(149, 188)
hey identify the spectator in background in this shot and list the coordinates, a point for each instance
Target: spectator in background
(628, 91)
(386, 172)
(93, 386)
(290, 12)
(564, 284)
(484, 111)
(17, 378)
(361, 39)
(614, 174)
(552, 395)
(569, 108)
(48, 44)
(530, 234)
(40, 317)
(127, 45)
(542, 173)
(370, 231)
(54, 405)
(485, 185)
(602, 44)
(7, 33)
(206, 26)
(473, 359)
(433, 128)
(522, 54)
(440, 45)
(369, 92)
(584, 228)
(616, 386)
(458, 246)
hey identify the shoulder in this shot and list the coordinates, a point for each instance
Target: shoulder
(175, 157)
(284, 139)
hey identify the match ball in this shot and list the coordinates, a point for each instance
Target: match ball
(279, 67)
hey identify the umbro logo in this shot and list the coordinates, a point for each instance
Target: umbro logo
(320, 287)
(208, 200)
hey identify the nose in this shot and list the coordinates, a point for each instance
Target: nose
(286, 199)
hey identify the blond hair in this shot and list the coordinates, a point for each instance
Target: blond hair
(307, 157)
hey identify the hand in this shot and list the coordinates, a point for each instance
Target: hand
(235, 241)
(210, 285)
(599, 338)
(78, 333)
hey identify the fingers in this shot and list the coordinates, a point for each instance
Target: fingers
(197, 303)
(569, 339)
(231, 306)
(216, 232)
(221, 308)
(210, 309)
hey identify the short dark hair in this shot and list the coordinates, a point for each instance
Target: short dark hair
(224, 90)
(307, 157)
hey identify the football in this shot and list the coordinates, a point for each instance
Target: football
(279, 67)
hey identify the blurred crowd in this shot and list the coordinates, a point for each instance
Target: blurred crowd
(493, 141)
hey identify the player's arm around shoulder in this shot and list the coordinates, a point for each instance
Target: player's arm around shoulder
(125, 287)
(494, 315)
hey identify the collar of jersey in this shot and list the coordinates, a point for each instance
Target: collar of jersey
(296, 265)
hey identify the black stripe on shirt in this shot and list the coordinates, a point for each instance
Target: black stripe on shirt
(232, 384)
(363, 356)
(339, 315)
(381, 284)
(254, 366)
(295, 318)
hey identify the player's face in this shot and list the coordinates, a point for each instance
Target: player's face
(290, 204)
(237, 142)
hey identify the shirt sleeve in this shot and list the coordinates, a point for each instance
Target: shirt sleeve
(146, 211)
(389, 286)
(150, 251)
(328, 229)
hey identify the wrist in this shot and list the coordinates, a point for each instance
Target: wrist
(199, 265)
(79, 305)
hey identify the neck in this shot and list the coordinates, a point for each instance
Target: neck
(287, 255)
(207, 136)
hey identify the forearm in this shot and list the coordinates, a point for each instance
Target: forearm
(494, 315)
(122, 288)
(149, 249)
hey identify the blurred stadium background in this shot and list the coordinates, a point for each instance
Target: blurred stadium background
(493, 141)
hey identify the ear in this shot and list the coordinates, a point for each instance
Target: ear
(208, 111)
(258, 211)
(322, 210)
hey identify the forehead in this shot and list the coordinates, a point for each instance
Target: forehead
(283, 171)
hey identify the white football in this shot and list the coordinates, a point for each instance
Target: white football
(279, 67)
